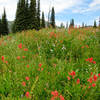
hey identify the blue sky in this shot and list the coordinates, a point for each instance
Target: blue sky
(81, 10)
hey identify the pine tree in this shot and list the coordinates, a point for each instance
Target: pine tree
(83, 24)
(22, 16)
(33, 17)
(20, 20)
(27, 16)
(72, 23)
(99, 21)
(16, 26)
(0, 27)
(95, 25)
(62, 25)
(5, 29)
(43, 21)
(38, 15)
(53, 17)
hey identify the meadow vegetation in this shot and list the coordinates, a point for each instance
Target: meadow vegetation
(50, 64)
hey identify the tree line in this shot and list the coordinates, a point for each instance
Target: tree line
(28, 16)
(4, 25)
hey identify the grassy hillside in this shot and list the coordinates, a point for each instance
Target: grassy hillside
(50, 65)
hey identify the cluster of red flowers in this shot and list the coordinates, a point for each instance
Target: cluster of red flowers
(26, 78)
(3, 60)
(20, 46)
(18, 57)
(24, 84)
(27, 94)
(91, 60)
(52, 34)
(40, 67)
(56, 95)
(92, 80)
(85, 46)
(73, 75)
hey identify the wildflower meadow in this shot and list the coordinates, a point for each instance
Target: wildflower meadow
(50, 64)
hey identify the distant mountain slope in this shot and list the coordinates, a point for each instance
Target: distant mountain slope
(10, 23)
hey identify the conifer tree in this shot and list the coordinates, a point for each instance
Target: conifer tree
(72, 23)
(20, 21)
(95, 25)
(38, 15)
(99, 21)
(5, 29)
(33, 17)
(0, 27)
(62, 25)
(83, 24)
(23, 15)
(27, 16)
(43, 21)
(16, 26)
(53, 17)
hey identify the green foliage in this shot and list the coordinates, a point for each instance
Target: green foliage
(33, 15)
(83, 25)
(51, 56)
(0, 27)
(95, 25)
(4, 24)
(43, 21)
(16, 25)
(52, 21)
(20, 21)
(26, 16)
(72, 23)
(38, 15)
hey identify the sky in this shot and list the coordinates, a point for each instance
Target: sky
(80, 10)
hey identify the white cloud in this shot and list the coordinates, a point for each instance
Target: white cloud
(94, 3)
(93, 6)
(10, 6)
(84, 10)
(59, 5)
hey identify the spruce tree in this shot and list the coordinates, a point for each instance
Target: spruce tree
(0, 27)
(5, 29)
(38, 15)
(20, 21)
(53, 17)
(72, 23)
(95, 25)
(27, 16)
(62, 25)
(23, 15)
(43, 21)
(83, 24)
(33, 17)
(16, 26)
(99, 21)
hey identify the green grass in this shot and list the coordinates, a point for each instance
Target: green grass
(60, 52)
